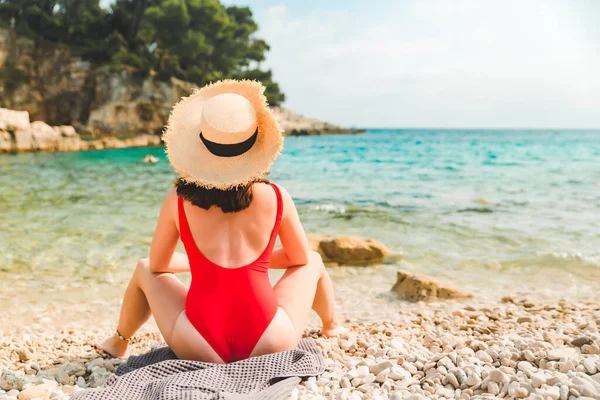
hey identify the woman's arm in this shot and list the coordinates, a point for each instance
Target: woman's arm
(295, 248)
(162, 250)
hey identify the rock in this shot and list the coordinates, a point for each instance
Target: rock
(6, 141)
(56, 394)
(98, 377)
(348, 250)
(65, 131)
(561, 353)
(413, 287)
(521, 393)
(44, 137)
(580, 341)
(24, 354)
(12, 121)
(523, 320)
(113, 143)
(143, 141)
(473, 380)
(81, 382)
(23, 140)
(525, 366)
(363, 371)
(553, 392)
(493, 388)
(398, 373)
(538, 380)
(483, 356)
(498, 376)
(62, 377)
(95, 145)
(75, 369)
(297, 125)
(590, 365)
(379, 367)
(10, 380)
(40, 392)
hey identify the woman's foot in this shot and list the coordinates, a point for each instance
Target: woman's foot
(114, 346)
(333, 329)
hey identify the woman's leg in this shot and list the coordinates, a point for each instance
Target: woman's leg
(160, 294)
(305, 287)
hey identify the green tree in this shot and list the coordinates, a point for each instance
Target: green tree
(194, 40)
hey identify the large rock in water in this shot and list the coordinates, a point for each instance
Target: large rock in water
(11, 120)
(414, 287)
(45, 138)
(348, 250)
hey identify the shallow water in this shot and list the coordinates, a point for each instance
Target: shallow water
(496, 212)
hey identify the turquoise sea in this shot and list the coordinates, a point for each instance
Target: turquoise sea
(485, 208)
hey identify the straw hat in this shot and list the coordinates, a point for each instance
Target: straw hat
(224, 135)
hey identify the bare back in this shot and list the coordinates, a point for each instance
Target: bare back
(233, 240)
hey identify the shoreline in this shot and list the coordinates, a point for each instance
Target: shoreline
(515, 348)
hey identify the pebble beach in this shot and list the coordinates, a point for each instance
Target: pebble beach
(515, 348)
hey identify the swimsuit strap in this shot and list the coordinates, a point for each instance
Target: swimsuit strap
(279, 214)
(184, 227)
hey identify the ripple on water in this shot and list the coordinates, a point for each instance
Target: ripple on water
(74, 224)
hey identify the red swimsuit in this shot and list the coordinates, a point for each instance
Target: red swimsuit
(230, 307)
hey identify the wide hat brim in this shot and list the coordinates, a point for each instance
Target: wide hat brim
(196, 164)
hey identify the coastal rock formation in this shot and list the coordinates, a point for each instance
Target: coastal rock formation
(60, 89)
(296, 125)
(348, 250)
(413, 287)
(17, 134)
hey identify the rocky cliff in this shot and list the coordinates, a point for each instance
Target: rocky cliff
(17, 135)
(55, 87)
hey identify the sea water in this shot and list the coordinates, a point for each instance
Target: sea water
(491, 210)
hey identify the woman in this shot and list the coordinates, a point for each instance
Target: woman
(222, 140)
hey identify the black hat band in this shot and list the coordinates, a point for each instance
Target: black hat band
(229, 150)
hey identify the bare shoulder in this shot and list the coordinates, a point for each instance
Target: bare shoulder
(171, 196)
(288, 202)
(169, 206)
(265, 191)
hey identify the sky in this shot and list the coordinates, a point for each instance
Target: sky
(436, 63)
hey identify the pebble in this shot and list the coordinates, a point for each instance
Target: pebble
(579, 341)
(485, 357)
(377, 368)
(590, 365)
(427, 353)
(538, 380)
(498, 376)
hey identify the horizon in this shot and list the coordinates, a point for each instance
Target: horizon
(431, 63)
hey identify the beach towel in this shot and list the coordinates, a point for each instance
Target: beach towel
(160, 375)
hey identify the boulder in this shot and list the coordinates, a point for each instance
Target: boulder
(348, 250)
(94, 145)
(144, 140)
(23, 140)
(44, 137)
(12, 121)
(414, 287)
(113, 143)
(70, 144)
(66, 131)
(6, 142)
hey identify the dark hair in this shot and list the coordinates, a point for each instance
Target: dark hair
(229, 201)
